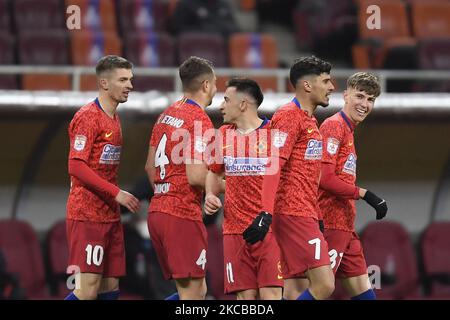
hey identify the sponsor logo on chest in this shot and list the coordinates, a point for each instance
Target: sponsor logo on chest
(110, 154)
(244, 166)
(313, 150)
(350, 165)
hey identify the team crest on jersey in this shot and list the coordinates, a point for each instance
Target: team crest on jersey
(200, 144)
(80, 142)
(313, 150)
(244, 166)
(110, 154)
(332, 145)
(279, 139)
(350, 165)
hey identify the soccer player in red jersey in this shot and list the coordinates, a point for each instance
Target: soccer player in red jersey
(291, 193)
(338, 192)
(94, 230)
(177, 172)
(251, 270)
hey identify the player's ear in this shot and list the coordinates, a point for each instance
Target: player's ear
(306, 85)
(103, 83)
(345, 95)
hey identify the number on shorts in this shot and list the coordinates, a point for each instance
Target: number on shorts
(229, 272)
(316, 242)
(94, 255)
(333, 255)
(161, 159)
(201, 261)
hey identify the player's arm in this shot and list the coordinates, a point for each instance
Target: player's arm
(150, 166)
(330, 182)
(80, 170)
(196, 174)
(214, 186)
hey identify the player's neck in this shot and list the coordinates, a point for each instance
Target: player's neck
(306, 104)
(197, 98)
(247, 124)
(108, 105)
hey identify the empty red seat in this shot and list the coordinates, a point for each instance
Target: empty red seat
(38, 15)
(436, 258)
(211, 46)
(21, 249)
(388, 248)
(143, 15)
(431, 19)
(5, 16)
(7, 45)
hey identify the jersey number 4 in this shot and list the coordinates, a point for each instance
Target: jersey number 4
(161, 159)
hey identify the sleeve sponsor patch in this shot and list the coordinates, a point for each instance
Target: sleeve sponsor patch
(80, 142)
(332, 145)
(279, 139)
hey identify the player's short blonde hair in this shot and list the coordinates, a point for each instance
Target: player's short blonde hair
(366, 82)
(111, 62)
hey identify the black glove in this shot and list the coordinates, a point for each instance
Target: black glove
(321, 226)
(377, 203)
(258, 229)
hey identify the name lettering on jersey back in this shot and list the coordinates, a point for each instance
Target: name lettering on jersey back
(172, 121)
(110, 154)
(162, 187)
(243, 166)
(350, 165)
(313, 150)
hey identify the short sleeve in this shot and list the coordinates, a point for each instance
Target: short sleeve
(82, 134)
(285, 128)
(332, 136)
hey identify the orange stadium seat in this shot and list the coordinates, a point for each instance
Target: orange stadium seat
(50, 48)
(96, 15)
(150, 49)
(252, 50)
(143, 15)
(436, 258)
(431, 19)
(7, 45)
(247, 5)
(88, 48)
(57, 257)
(21, 249)
(376, 43)
(388, 246)
(38, 15)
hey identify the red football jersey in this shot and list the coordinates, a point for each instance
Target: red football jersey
(337, 132)
(181, 133)
(96, 139)
(244, 159)
(299, 142)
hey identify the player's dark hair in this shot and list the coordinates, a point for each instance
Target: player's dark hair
(366, 82)
(193, 72)
(111, 62)
(247, 86)
(306, 66)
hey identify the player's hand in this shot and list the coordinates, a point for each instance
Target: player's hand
(212, 203)
(258, 229)
(127, 200)
(377, 203)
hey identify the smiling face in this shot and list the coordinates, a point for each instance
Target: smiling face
(358, 104)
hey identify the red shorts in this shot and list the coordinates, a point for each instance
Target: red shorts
(180, 245)
(96, 247)
(302, 245)
(251, 266)
(346, 253)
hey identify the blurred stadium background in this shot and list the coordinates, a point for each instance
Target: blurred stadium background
(46, 74)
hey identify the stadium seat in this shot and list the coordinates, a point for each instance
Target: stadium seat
(151, 49)
(436, 259)
(21, 249)
(431, 19)
(247, 5)
(57, 257)
(51, 48)
(5, 16)
(387, 246)
(375, 44)
(252, 50)
(143, 15)
(38, 15)
(97, 15)
(7, 45)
